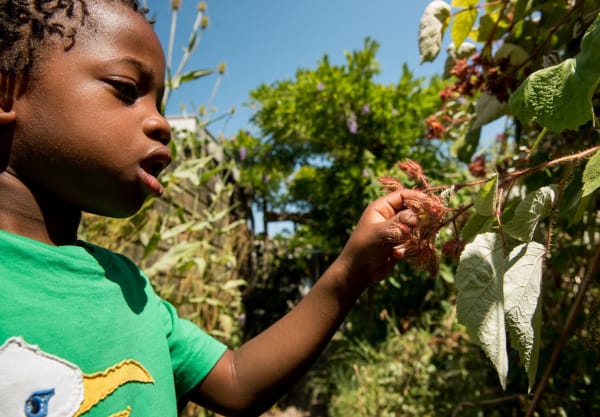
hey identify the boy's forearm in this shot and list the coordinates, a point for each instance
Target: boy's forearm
(267, 365)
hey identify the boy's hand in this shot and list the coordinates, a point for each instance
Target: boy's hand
(369, 254)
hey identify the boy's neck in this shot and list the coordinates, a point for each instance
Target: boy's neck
(34, 215)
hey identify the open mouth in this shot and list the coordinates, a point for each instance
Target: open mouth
(154, 168)
(156, 162)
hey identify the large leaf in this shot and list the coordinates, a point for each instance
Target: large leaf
(522, 289)
(480, 301)
(535, 207)
(591, 175)
(560, 97)
(433, 23)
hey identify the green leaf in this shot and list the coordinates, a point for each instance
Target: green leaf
(480, 301)
(433, 23)
(475, 225)
(535, 207)
(487, 109)
(582, 207)
(591, 175)
(490, 28)
(485, 200)
(464, 3)
(194, 75)
(462, 25)
(522, 302)
(464, 147)
(560, 97)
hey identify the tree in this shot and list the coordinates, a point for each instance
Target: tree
(327, 135)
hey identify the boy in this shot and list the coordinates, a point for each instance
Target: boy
(81, 331)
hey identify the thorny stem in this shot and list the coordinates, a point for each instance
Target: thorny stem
(498, 210)
(488, 43)
(558, 161)
(460, 211)
(561, 188)
(512, 176)
(592, 272)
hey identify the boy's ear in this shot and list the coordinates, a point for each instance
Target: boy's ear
(8, 90)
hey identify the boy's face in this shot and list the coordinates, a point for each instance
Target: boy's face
(88, 130)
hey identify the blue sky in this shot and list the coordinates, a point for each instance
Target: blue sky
(263, 41)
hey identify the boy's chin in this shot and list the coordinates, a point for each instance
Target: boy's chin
(119, 212)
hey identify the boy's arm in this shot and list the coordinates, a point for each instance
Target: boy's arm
(249, 380)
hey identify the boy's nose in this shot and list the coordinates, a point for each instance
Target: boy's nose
(157, 127)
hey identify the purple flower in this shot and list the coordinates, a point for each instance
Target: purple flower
(243, 153)
(366, 109)
(352, 125)
(320, 86)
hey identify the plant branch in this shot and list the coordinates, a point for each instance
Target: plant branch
(512, 176)
(592, 272)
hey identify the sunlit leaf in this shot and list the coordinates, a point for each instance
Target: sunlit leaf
(464, 3)
(591, 175)
(535, 207)
(462, 25)
(480, 301)
(485, 200)
(560, 97)
(194, 75)
(522, 302)
(433, 23)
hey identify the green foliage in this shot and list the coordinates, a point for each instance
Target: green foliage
(560, 97)
(535, 218)
(591, 175)
(327, 135)
(415, 372)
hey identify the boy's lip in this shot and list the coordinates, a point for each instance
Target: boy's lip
(151, 166)
(156, 160)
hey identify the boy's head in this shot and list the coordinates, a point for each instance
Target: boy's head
(26, 24)
(81, 84)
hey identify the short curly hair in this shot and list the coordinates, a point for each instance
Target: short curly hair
(25, 24)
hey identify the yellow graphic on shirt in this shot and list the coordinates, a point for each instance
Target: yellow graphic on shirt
(44, 385)
(98, 386)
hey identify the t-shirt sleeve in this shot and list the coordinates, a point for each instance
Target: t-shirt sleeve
(194, 353)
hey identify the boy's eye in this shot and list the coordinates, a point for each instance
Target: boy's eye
(126, 91)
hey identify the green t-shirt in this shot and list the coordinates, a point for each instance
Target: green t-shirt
(83, 333)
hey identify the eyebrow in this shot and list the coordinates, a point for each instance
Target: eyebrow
(145, 69)
(142, 67)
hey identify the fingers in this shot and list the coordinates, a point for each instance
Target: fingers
(397, 229)
(393, 202)
(406, 216)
